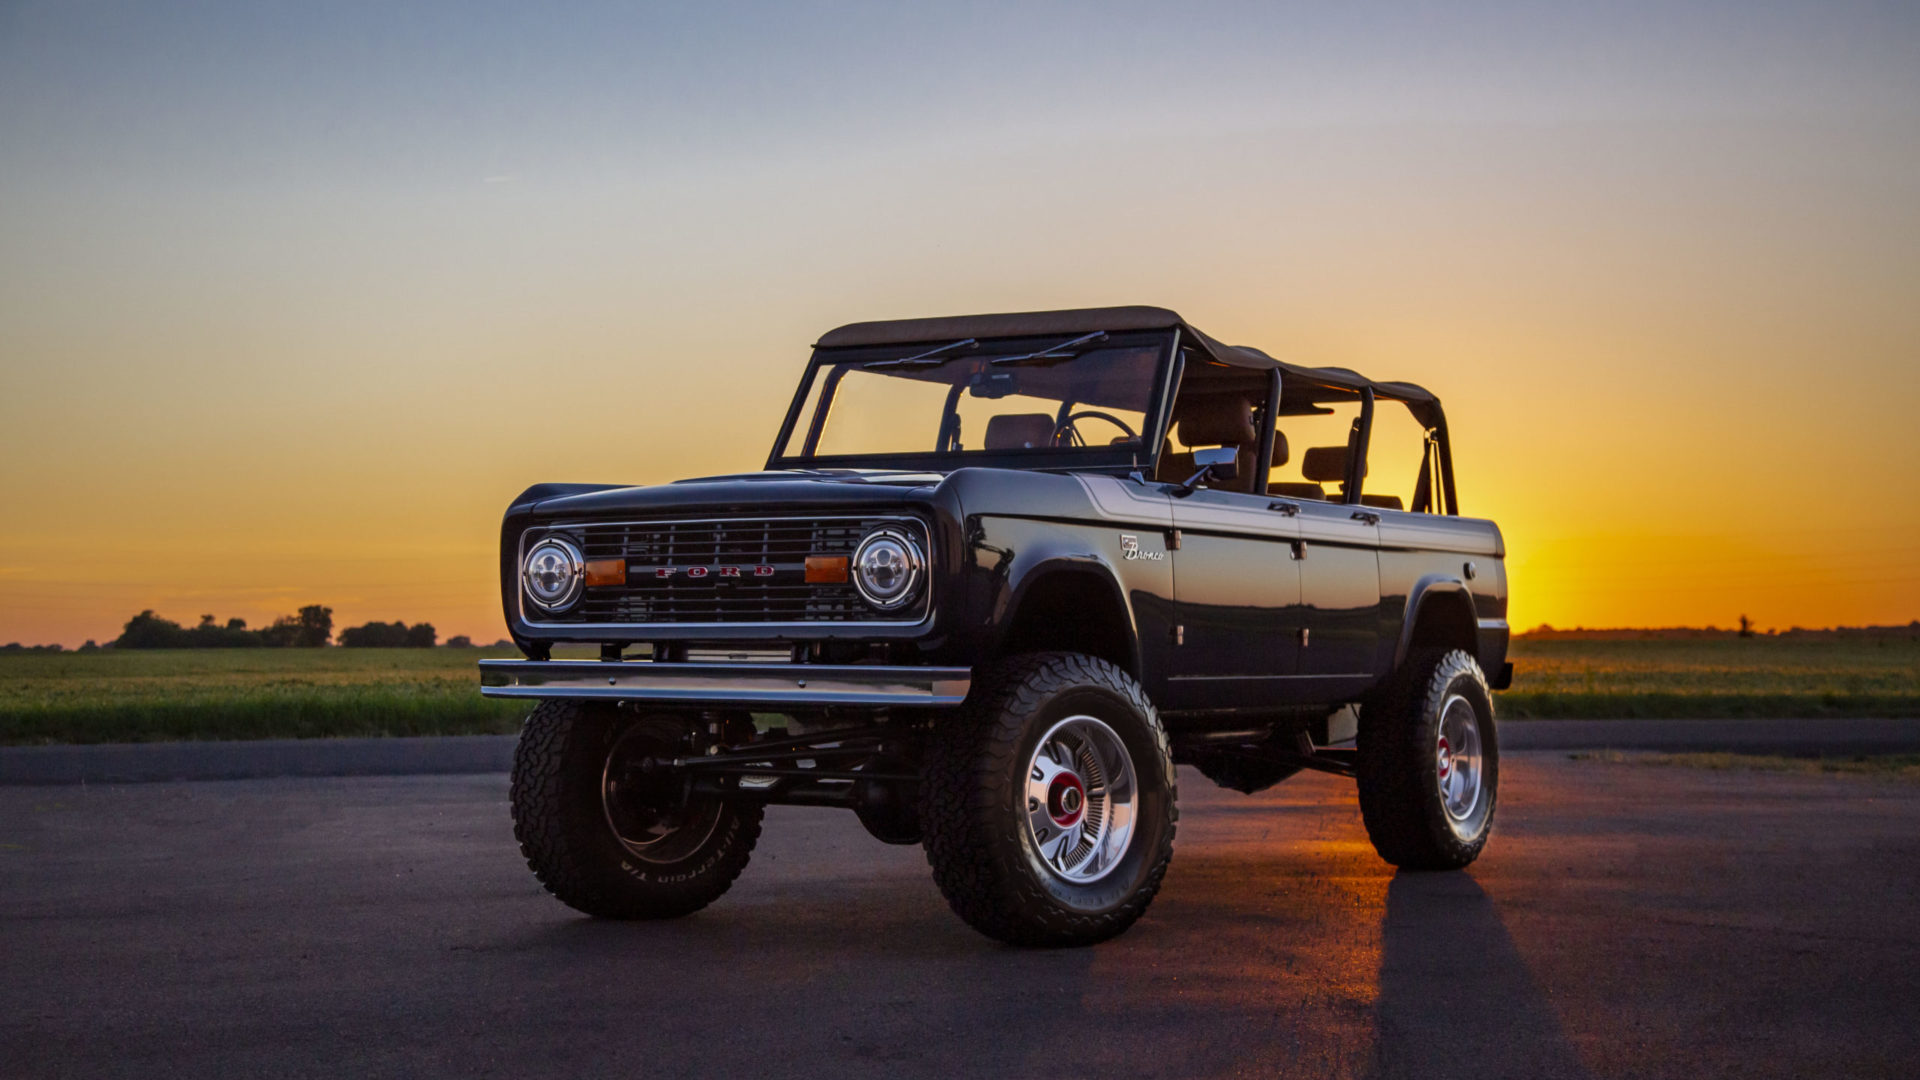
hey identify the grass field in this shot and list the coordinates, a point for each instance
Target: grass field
(1728, 677)
(147, 695)
(304, 693)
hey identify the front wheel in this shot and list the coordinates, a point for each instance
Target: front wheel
(1049, 802)
(1428, 764)
(607, 831)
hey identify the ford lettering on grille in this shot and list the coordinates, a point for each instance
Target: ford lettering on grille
(763, 570)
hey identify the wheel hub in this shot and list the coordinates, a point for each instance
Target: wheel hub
(1066, 799)
(1081, 794)
(647, 813)
(1457, 759)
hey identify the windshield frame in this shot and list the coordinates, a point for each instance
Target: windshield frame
(1083, 459)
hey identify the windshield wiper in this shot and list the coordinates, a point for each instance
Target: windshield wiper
(1050, 353)
(930, 358)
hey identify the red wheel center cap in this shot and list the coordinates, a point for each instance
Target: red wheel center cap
(1066, 799)
(1446, 758)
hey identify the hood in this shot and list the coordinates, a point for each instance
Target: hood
(736, 493)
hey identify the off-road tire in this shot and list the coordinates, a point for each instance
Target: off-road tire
(563, 828)
(1400, 797)
(973, 802)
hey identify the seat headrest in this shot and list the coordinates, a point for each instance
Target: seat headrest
(1279, 448)
(1017, 431)
(1325, 464)
(1216, 421)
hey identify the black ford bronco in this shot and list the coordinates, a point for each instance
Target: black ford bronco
(1001, 574)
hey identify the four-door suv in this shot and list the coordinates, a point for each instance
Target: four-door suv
(1000, 575)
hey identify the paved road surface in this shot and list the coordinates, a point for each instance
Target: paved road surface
(1628, 921)
(450, 754)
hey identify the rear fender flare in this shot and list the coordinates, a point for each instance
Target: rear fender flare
(1434, 585)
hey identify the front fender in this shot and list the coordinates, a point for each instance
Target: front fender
(1012, 558)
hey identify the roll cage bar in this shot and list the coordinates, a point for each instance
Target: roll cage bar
(1434, 492)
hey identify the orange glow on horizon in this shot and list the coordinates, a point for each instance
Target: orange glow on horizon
(292, 323)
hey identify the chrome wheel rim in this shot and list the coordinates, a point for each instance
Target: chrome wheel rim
(1458, 761)
(642, 817)
(1080, 800)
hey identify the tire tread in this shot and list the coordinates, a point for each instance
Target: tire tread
(964, 785)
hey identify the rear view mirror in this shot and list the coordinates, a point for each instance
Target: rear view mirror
(992, 385)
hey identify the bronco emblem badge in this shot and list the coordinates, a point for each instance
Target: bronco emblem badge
(1130, 550)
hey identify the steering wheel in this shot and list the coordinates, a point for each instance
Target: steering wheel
(1072, 434)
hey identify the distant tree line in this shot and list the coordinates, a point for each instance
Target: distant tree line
(393, 635)
(311, 628)
(1746, 629)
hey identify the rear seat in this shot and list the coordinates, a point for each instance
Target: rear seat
(1297, 490)
(1326, 465)
(1290, 489)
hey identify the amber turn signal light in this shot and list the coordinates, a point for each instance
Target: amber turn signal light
(606, 572)
(826, 569)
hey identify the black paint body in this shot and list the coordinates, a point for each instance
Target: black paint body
(1243, 584)
(1223, 602)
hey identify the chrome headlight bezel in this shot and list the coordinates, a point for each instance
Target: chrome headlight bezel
(554, 559)
(889, 570)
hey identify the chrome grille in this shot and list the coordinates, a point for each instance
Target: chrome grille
(713, 571)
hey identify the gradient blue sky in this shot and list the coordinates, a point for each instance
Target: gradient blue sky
(294, 297)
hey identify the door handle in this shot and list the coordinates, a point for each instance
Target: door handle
(1287, 508)
(1366, 518)
(1299, 549)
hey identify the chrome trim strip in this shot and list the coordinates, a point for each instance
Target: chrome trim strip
(1127, 503)
(736, 684)
(692, 629)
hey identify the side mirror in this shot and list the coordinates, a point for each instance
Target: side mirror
(1221, 462)
(1217, 464)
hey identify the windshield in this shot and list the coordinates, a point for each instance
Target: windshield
(1087, 395)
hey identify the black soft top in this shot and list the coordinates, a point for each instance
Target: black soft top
(1087, 320)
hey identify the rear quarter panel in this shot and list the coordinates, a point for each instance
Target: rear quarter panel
(1429, 552)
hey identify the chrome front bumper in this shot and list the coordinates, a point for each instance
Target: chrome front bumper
(792, 685)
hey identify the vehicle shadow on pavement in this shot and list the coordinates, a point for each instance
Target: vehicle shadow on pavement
(1456, 997)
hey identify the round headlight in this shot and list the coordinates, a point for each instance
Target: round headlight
(887, 568)
(553, 573)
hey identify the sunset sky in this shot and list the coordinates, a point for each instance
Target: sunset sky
(295, 297)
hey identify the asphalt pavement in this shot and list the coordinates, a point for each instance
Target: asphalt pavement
(456, 754)
(1628, 920)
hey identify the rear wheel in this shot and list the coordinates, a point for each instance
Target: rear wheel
(608, 831)
(1049, 802)
(1428, 764)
